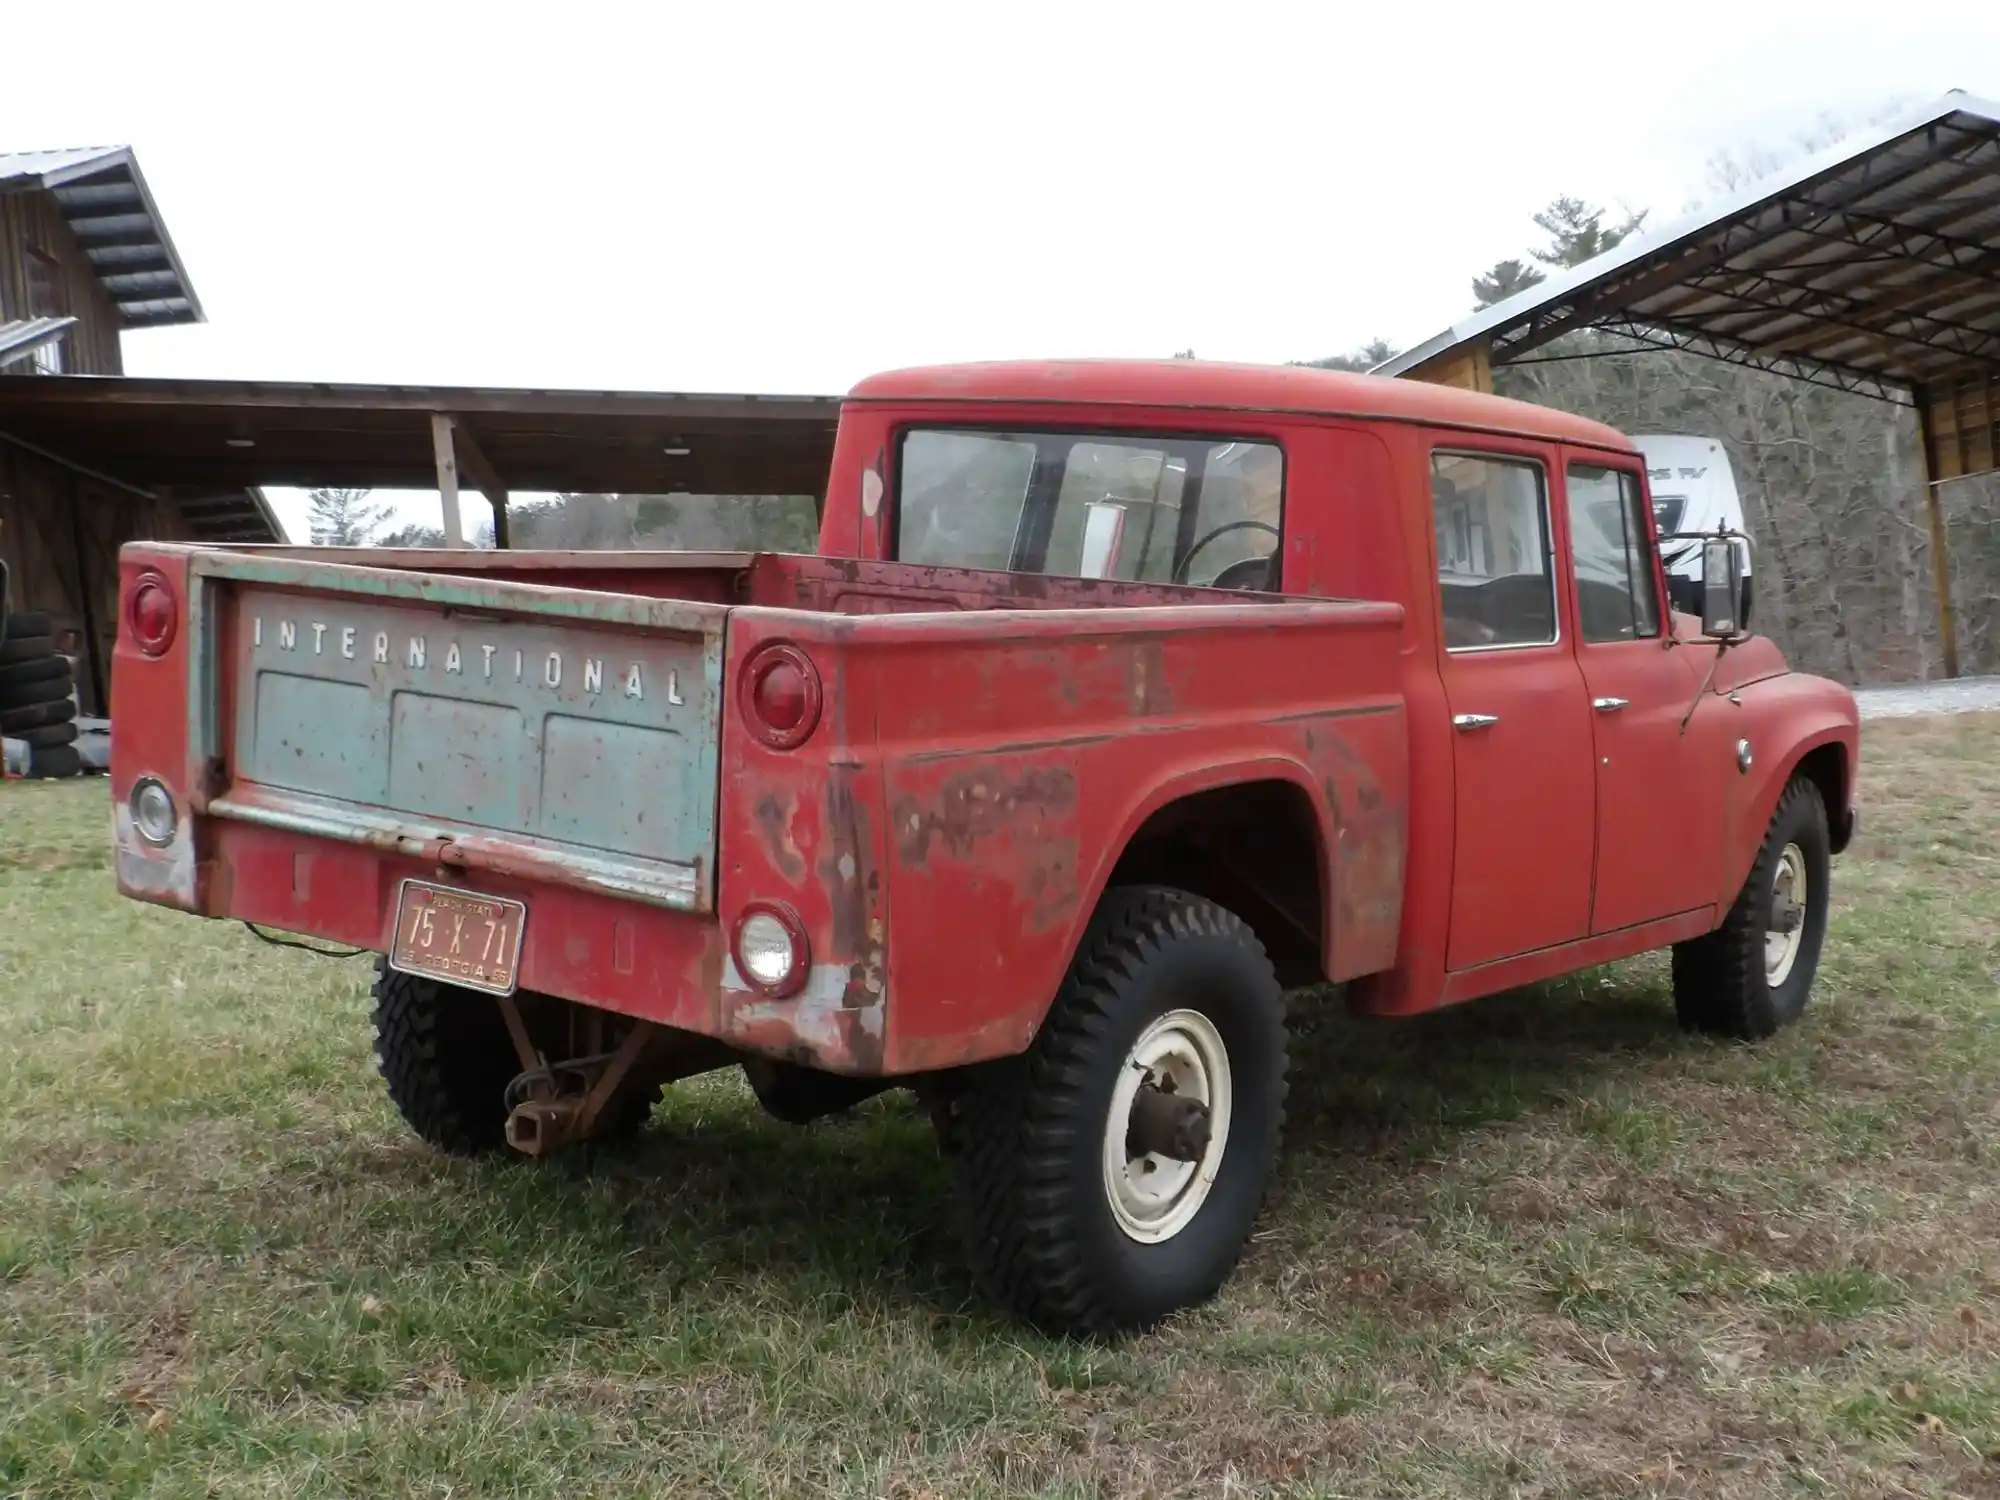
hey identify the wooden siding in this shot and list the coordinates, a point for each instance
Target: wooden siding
(1467, 367)
(31, 220)
(1962, 427)
(50, 518)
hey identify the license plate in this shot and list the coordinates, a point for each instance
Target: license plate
(458, 936)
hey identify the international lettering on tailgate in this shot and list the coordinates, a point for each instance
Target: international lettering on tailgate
(460, 936)
(492, 662)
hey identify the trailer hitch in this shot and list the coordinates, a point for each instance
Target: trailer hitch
(551, 1105)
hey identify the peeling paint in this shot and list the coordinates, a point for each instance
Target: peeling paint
(819, 1027)
(976, 806)
(775, 814)
(148, 872)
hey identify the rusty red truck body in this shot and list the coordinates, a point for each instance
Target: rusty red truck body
(1120, 697)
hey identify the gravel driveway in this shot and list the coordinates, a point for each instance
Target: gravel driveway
(1963, 696)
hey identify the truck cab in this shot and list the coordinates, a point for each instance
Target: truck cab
(1120, 698)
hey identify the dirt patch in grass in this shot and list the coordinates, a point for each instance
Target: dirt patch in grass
(1546, 1245)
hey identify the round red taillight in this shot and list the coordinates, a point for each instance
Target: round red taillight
(153, 614)
(781, 696)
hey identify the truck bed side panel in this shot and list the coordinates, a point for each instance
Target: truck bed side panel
(1017, 752)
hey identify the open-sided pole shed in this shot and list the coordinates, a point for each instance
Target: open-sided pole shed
(186, 459)
(1873, 267)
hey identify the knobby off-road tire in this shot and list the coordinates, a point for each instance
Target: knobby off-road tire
(446, 1056)
(35, 715)
(54, 763)
(40, 680)
(1028, 1137)
(1723, 983)
(20, 648)
(48, 736)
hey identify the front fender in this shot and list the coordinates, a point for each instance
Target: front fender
(1790, 722)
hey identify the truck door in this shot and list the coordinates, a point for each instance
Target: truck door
(1655, 855)
(1521, 740)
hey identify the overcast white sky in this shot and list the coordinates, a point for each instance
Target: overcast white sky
(740, 197)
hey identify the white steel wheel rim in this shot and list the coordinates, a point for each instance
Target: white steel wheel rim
(1153, 1197)
(1788, 896)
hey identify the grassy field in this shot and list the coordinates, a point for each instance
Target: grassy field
(1544, 1245)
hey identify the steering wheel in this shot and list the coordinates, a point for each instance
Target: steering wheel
(1187, 562)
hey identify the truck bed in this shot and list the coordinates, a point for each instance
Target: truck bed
(567, 729)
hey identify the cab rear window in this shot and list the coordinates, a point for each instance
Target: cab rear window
(1092, 505)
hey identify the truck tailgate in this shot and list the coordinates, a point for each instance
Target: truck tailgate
(563, 734)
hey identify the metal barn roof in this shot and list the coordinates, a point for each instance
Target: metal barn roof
(105, 201)
(1874, 265)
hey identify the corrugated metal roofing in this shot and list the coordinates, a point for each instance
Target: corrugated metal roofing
(1873, 265)
(104, 199)
(23, 336)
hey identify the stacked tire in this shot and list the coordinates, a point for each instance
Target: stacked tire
(38, 695)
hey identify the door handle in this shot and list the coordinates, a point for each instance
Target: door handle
(1474, 721)
(1608, 705)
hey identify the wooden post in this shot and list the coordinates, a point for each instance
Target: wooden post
(447, 472)
(473, 463)
(1940, 556)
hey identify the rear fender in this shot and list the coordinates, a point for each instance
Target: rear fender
(1352, 773)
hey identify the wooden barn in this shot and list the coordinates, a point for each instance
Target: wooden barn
(85, 255)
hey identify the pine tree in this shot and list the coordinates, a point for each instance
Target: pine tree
(1505, 279)
(1358, 361)
(344, 518)
(1577, 232)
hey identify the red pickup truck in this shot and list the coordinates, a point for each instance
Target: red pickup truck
(1120, 698)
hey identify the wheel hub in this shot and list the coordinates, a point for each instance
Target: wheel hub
(1167, 1127)
(1785, 929)
(1165, 1124)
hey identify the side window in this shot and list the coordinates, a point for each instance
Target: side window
(1617, 598)
(45, 286)
(1494, 578)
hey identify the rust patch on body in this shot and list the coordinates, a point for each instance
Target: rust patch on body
(977, 806)
(1367, 864)
(1020, 829)
(816, 1028)
(1146, 680)
(774, 822)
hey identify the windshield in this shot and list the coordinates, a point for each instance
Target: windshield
(1091, 505)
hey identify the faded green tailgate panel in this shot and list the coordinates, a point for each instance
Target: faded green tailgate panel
(568, 732)
(460, 760)
(295, 751)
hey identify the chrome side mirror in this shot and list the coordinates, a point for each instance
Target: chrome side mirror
(1721, 587)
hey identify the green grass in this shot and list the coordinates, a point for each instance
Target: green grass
(1541, 1246)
